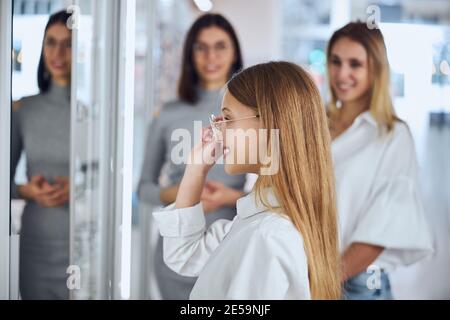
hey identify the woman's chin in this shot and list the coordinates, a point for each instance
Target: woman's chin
(229, 168)
(234, 169)
(349, 97)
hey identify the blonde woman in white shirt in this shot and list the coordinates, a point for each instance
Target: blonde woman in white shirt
(382, 221)
(283, 242)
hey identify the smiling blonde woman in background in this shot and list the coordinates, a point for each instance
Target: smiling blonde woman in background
(379, 205)
(283, 242)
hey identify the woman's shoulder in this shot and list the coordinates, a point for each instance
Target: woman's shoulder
(399, 155)
(400, 135)
(276, 225)
(31, 98)
(276, 236)
(175, 105)
(401, 127)
(170, 110)
(24, 103)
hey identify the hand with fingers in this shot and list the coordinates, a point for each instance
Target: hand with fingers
(205, 154)
(201, 159)
(47, 194)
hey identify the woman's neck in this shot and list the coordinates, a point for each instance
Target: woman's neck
(61, 81)
(212, 85)
(352, 109)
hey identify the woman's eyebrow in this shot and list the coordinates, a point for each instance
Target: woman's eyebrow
(335, 56)
(356, 59)
(52, 37)
(350, 59)
(226, 109)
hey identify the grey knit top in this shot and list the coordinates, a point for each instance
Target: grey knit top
(41, 128)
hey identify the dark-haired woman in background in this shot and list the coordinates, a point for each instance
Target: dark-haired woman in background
(211, 55)
(40, 128)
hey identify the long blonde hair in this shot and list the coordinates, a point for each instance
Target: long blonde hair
(372, 40)
(287, 99)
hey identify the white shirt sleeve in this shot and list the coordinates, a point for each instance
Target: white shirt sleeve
(187, 244)
(395, 218)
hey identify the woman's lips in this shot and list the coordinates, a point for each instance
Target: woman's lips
(58, 65)
(344, 88)
(211, 69)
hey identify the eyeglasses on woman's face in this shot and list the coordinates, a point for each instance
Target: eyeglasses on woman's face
(53, 44)
(218, 125)
(202, 49)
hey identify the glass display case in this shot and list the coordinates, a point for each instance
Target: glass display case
(102, 148)
(160, 29)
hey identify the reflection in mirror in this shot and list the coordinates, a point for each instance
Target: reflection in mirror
(40, 147)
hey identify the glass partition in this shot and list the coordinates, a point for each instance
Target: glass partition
(102, 113)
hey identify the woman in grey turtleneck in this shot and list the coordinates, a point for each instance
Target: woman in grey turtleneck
(211, 55)
(41, 128)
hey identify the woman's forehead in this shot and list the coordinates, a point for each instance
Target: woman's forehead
(346, 48)
(233, 105)
(58, 31)
(212, 35)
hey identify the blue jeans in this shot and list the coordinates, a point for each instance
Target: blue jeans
(357, 288)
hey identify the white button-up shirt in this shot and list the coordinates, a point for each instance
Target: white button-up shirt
(258, 255)
(378, 194)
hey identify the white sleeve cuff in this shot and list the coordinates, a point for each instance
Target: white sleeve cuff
(182, 222)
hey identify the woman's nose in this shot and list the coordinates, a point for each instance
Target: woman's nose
(344, 72)
(61, 51)
(209, 56)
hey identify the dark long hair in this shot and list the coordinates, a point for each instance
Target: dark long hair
(43, 76)
(189, 80)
